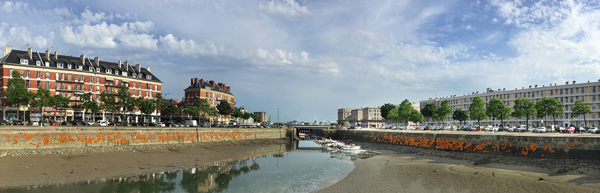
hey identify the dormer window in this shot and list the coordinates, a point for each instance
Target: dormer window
(79, 67)
(117, 72)
(69, 66)
(108, 71)
(134, 74)
(139, 75)
(47, 64)
(38, 63)
(91, 69)
(149, 77)
(60, 65)
(98, 69)
(24, 61)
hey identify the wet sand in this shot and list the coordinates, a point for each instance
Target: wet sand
(393, 172)
(58, 167)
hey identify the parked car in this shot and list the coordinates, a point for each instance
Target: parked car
(45, 123)
(54, 123)
(66, 123)
(570, 130)
(76, 123)
(34, 123)
(87, 123)
(593, 130)
(4, 122)
(101, 123)
(540, 130)
(16, 122)
(580, 130)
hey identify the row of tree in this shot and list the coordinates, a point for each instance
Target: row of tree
(18, 95)
(404, 112)
(201, 107)
(498, 110)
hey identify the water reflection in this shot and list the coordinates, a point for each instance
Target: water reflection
(299, 167)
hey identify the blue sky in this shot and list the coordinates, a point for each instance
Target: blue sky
(311, 58)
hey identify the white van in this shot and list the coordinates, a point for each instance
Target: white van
(191, 123)
(101, 123)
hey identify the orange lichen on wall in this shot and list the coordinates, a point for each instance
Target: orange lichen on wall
(465, 145)
(117, 138)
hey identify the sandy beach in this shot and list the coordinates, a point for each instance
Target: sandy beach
(395, 171)
(79, 164)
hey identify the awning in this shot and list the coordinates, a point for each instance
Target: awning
(109, 79)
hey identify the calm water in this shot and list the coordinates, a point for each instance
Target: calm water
(304, 167)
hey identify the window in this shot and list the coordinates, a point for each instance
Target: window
(79, 67)
(47, 75)
(582, 90)
(60, 65)
(551, 92)
(80, 78)
(108, 71)
(561, 91)
(27, 73)
(38, 63)
(98, 80)
(97, 88)
(39, 74)
(134, 74)
(91, 79)
(27, 83)
(39, 84)
(98, 69)
(76, 87)
(149, 77)
(69, 66)
(90, 86)
(76, 78)
(47, 84)
(24, 61)
(91, 69)
(62, 76)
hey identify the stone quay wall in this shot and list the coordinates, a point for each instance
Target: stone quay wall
(20, 137)
(559, 146)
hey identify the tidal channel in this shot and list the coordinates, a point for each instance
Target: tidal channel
(302, 166)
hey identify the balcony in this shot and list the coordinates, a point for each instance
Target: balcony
(70, 80)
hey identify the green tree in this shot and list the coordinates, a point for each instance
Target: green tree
(428, 110)
(191, 110)
(212, 112)
(237, 114)
(404, 111)
(581, 108)
(16, 92)
(125, 101)
(385, 109)
(108, 104)
(460, 115)
(524, 108)
(543, 107)
(169, 109)
(497, 109)
(256, 117)
(393, 115)
(62, 103)
(556, 109)
(42, 99)
(246, 116)
(90, 104)
(146, 107)
(415, 116)
(85, 97)
(159, 103)
(442, 112)
(224, 108)
(477, 110)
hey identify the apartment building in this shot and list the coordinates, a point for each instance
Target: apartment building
(364, 117)
(213, 92)
(72, 76)
(567, 94)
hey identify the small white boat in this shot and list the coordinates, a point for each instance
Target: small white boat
(350, 147)
(302, 135)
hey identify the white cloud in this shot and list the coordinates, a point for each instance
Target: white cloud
(105, 35)
(10, 6)
(188, 47)
(284, 7)
(20, 36)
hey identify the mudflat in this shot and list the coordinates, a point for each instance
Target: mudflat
(406, 171)
(21, 168)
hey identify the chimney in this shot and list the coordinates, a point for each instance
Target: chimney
(598, 81)
(29, 53)
(212, 83)
(120, 64)
(191, 81)
(6, 50)
(176, 100)
(220, 85)
(195, 81)
(182, 99)
(228, 89)
(138, 67)
(148, 68)
(573, 82)
(126, 65)
(567, 83)
(529, 86)
(201, 81)
(55, 55)
(97, 61)
(503, 89)
(536, 86)
(48, 55)
(82, 57)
